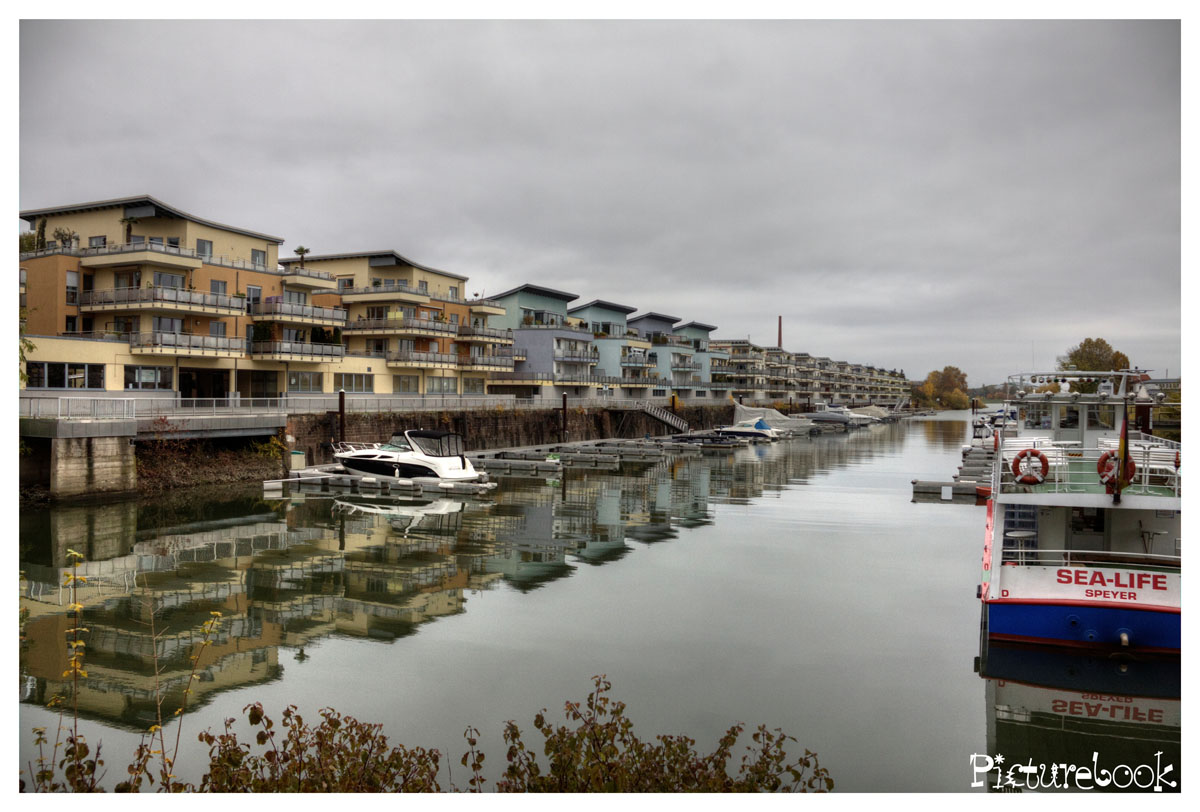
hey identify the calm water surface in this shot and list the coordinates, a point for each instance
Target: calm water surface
(796, 584)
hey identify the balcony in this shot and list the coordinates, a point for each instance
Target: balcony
(140, 253)
(298, 277)
(538, 378)
(685, 366)
(187, 344)
(566, 328)
(637, 361)
(485, 362)
(173, 300)
(577, 356)
(291, 313)
(485, 335)
(422, 360)
(486, 307)
(301, 351)
(384, 293)
(401, 326)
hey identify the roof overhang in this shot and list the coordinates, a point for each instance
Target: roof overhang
(140, 206)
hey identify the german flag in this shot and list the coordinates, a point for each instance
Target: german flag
(1121, 480)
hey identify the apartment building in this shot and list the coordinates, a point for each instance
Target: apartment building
(137, 296)
(622, 354)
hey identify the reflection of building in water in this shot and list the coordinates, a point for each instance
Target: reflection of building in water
(1047, 706)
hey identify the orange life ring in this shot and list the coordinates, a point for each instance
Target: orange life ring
(996, 441)
(1106, 467)
(1031, 475)
(1176, 460)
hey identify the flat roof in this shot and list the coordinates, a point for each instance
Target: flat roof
(29, 215)
(543, 291)
(384, 253)
(698, 325)
(620, 308)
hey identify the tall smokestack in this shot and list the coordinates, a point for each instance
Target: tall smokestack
(780, 344)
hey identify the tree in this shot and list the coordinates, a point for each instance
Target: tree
(40, 236)
(129, 223)
(66, 237)
(300, 251)
(1092, 355)
(28, 241)
(946, 389)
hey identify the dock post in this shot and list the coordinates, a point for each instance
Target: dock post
(342, 415)
(562, 434)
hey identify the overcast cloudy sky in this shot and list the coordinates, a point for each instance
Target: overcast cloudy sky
(907, 194)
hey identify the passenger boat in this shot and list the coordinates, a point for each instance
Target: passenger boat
(410, 454)
(1082, 543)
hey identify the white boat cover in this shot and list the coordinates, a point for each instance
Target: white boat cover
(773, 417)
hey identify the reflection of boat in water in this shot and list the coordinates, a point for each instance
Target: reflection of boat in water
(1082, 543)
(1110, 722)
(402, 516)
(410, 454)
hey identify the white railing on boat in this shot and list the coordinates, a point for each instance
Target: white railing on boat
(1033, 556)
(1073, 469)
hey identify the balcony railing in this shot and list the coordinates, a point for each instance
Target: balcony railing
(537, 325)
(636, 361)
(159, 296)
(485, 361)
(484, 332)
(403, 323)
(684, 366)
(296, 270)
(300, 348)
(266, 309)
(484, 303)
(383, 289)
(577, 356)
(170, 250)
(187, 341)
(409, 356)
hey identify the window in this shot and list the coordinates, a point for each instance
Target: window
(156, 242)
(472, 386)
(377, 346)
(218, 286)
(162, 279)
(406, 384)
(71, 324)
(345, 283)
(204, 248)
(258, 258)
(294, 334)
(304, 381)
(295, 297)
(124, 324)
(64, 376)
(97, 242)
(137, 377)
(441, 386)
(253, 296)
(453, 291)
(377, 312)
(72, 287)
(353, 382)
(127, 279)
(137, 240)
(173, 243)
(163, 324)
(216, 328)
(454, 318)
(423, 286)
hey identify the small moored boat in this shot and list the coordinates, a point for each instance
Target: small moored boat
(408, 455)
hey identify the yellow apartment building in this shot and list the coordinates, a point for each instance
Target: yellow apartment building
(133, 294)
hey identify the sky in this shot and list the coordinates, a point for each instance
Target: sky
(908, 194)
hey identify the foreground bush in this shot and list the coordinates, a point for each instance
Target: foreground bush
(595, 751)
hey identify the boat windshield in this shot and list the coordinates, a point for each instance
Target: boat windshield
(396, 444)
(448, 445)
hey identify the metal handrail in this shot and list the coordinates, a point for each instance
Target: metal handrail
(402, 323)
(1152, 460)
(262, 308)
(160, 295)
(296, 270)
(190, 341)
(489, 332)
(422, 357)
(297, 348)
(485, 360)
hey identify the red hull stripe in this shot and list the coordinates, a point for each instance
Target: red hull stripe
(1057, 643)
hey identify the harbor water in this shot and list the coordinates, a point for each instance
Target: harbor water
(795, 584)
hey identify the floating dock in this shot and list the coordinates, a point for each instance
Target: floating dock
(973, 480)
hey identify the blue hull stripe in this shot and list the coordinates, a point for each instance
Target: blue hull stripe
(1085, 625)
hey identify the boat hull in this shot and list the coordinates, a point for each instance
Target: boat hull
(1083, 625)
(388, 470)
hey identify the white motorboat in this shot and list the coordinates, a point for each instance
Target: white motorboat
(754, 428)
(408, 455)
